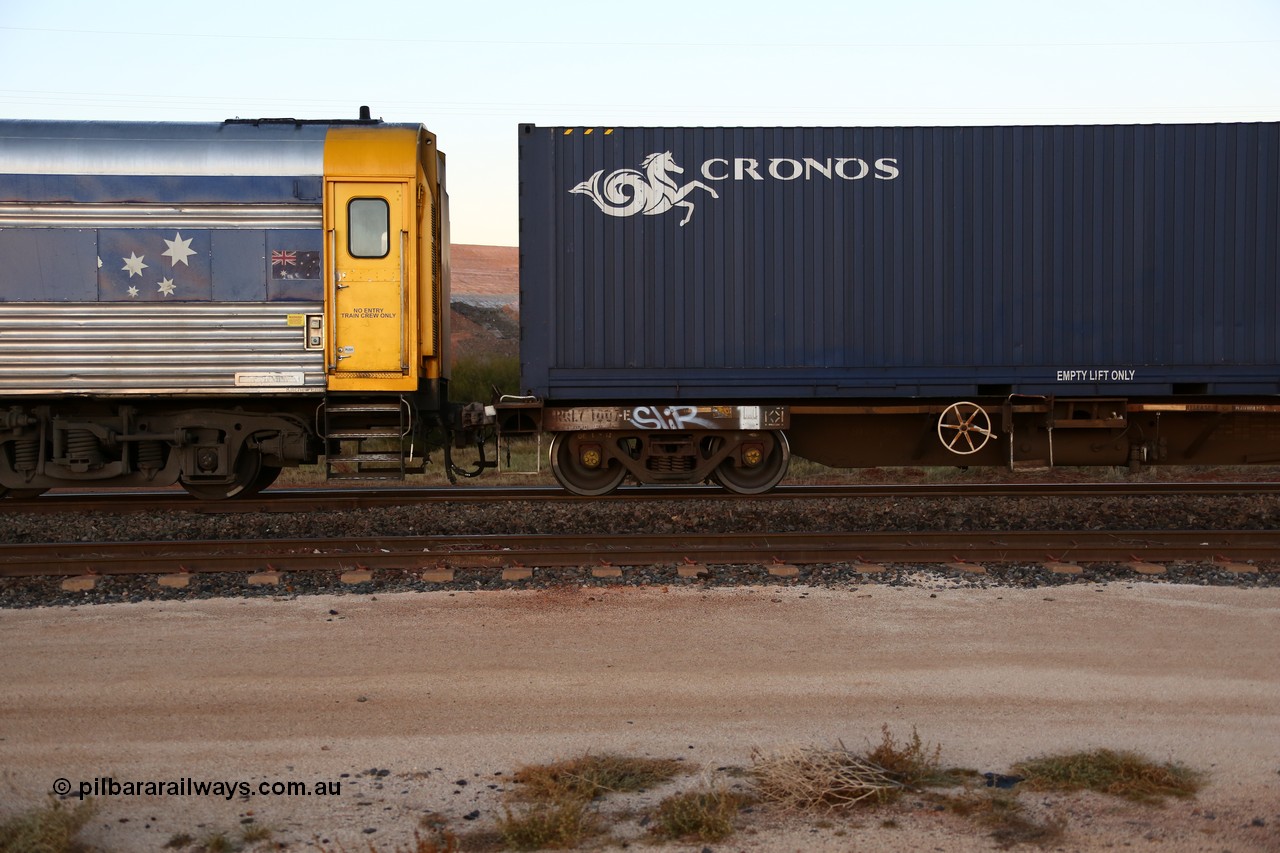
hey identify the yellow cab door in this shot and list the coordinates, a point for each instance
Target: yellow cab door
(370, 289)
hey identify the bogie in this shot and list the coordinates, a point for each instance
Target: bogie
(596, 463)
(214, 454)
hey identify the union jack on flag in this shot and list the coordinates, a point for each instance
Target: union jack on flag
(284, 259)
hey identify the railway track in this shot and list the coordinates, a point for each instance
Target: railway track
(966, 551)
(312, 499)
(486, 547)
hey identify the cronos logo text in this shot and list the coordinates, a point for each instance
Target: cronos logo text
(626, 192)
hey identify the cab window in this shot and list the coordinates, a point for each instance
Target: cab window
(368, 224)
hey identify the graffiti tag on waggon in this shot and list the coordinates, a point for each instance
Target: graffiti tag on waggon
(664, 417)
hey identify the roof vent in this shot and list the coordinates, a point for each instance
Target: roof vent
(366, 114)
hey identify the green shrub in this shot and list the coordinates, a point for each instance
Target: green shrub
(698, 815)
(564, 823)
(1118, 773)
(475, 378)
(590, 776)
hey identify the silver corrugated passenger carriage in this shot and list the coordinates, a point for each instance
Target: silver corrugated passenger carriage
(208, 303)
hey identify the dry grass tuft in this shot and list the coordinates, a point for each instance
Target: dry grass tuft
(50, 829)
(809, 778)
(822, 779)
(912, 762)
(256, 833)
(699, 815)
(591, 776)
(1118, 773)
(558, 795)
(218, 842)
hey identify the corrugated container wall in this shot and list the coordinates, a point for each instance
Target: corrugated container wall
(728, 263)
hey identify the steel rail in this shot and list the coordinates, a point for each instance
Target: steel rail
(310, 499)
(425, 552)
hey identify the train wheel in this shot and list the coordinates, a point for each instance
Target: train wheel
(582, 467)
(248, 470)
(267, 475)
(763, 460)
(964, 428)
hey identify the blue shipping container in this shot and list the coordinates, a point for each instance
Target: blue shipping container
(722, 264)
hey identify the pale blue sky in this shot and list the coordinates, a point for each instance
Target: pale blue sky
(472, 70)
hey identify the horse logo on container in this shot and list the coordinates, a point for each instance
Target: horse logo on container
(627, 192)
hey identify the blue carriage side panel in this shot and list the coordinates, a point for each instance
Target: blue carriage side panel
(48, 265)
(154, 265)
(238, 263)
(144, 188)
(267, 266)
(294, 260)
(159, 265)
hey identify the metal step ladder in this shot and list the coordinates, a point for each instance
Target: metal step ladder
(368, 439)
(1046, 423)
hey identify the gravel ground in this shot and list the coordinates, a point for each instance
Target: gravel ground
(912, 514)
(423, 704)
(1252, 512)
(159, 683)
